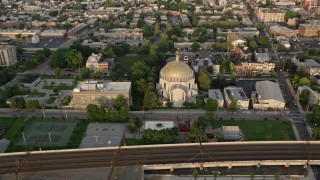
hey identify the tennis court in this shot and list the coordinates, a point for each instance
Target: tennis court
(58, 131)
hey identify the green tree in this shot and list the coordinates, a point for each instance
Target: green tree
(134, 124)
(253, 45)
(53, 13)
(195, 46)
(120, 102)
(154, 50)
(160, 136)
(169, 104)
(204, 80)
(304, 96)
(147, 32)
(58, 59)
(150, 100)
(36, 17)
(74, 58)
(61, 18)
(288, 15)
(260, 26)
(109, 3)
(96, 113)
(32, 104)
(263, 40)
(302, 71)
(211, 105)
(124, 114)
(303, 81)
(232, 67)
(17, 103)
(195, 174)
(314, 117)
(233, 105)
(274, 74)
(58, 73)
(157, 30)
(281, 48)
(220, 137)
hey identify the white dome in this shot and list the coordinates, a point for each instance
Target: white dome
(176, 71)
(94, 58)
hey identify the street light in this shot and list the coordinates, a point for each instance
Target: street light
(65, 112)
(24, 140)
(49, 134)
(44, 115)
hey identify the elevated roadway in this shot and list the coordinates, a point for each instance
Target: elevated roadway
(162, 154)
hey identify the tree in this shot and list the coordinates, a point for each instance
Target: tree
(134, 124)
(169, 104)
(304, 96)
(195, 46)
(211, 105)
(150, 100)
(232, 67)
(74, 58)
(124, 114)
(32, 104)
(302, 71)
(53, 13)
(303, 81)
(233, 105)
(61, 18)
(288, 15)
(314, 117)
(17, 103)
(154, 50)
(160, 136)
(96, 113)
(120, 102)
(274, 74)
(253, 45)
(263, 40)
(260, 26)
(36, 17)
(281, 48)
(146, 30)
(58, 73)
(195, 174)
(204, 80)
(157, 30)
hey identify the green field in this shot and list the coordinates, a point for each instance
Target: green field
(13, 126)
(125, 62)
(261, 130)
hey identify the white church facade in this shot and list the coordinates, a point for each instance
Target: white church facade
(177, 83)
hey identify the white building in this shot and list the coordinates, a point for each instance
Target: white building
(267, 96)
(158, 125)
(236, 93)
(8, 55)
(216, 95)
(96, 63)
(177, 82)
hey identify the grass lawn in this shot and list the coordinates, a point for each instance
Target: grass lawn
(13, 126)
(125, 62)
(261, 130)
(51, 100)
(135, 142)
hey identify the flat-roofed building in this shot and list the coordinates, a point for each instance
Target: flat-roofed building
(8, 55)
(282, 31)
(236, 93)
(53, 33)
(215, 94)
(311, 65)
(77, 31)
(309, 30)
(267, 96)
(231, 133)
(158, 125)
(101, 93)
(14, 33)
(254, 67)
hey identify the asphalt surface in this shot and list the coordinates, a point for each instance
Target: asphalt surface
(159, 154)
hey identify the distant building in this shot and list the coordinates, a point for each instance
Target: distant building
(267, 95)
(206, 63)
(309, 30)
(216, 95)
(236, 40)
(101, 93)
(270, 15)
(311, 65)
(282, 31)
(262, 55)
(13, 33)
(254, 67)
(78, 31)
(53, 33)
(8, 55)
(236, 93)
(96, 63)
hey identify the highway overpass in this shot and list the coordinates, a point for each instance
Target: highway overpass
(227, 153)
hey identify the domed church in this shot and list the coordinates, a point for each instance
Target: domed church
(177, 83)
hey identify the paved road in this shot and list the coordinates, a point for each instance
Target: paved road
(180, 115)
(160, 154)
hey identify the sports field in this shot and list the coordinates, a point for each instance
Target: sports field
(58, 131)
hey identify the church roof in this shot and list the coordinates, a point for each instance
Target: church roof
(176, 69)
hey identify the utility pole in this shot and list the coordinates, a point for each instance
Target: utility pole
(114, 162)
(49, 134)
(65, 112)
(21, 163)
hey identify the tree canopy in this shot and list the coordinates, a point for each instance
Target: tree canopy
(204, 80)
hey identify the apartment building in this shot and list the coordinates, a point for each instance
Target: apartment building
(236, 93)
(254, 67)
(309, 30)
(270, 15)
(97, 63)
(13, 33)
(8, 55)
(77, 31)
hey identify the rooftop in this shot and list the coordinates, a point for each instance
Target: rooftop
(47, 43)
(103, 86)
(269, 90)
(236, 93)
(215, 94)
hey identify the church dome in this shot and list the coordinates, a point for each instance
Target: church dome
(176, 71)
(94, 58)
